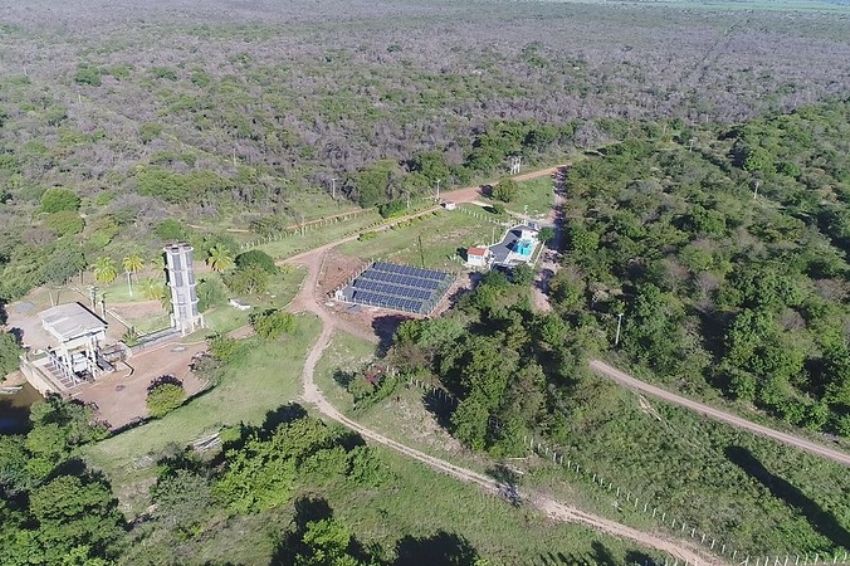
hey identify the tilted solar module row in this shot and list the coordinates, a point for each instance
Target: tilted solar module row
(412, 271)
(397, 279)
(387, 289)
(387, 301)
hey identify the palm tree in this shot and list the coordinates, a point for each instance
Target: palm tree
(220, 258)
(133, 263)
(104, 270)
(152, 289)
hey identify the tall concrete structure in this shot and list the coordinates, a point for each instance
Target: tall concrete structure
(181, 280)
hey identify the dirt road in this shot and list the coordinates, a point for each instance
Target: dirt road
(307, 301)
(627, 380)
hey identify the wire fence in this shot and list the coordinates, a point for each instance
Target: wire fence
(626, 500)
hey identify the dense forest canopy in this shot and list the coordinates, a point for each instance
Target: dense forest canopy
(230, 113)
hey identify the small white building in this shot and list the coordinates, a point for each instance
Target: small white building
(449, 205)
(478, 257)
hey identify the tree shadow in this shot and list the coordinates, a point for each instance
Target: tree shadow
(440, 407)
(508, 481)
(291, 545)
(307, 510)
(820, 520)
(284, 414)
(439, 549)
(640, 558)
(385, 328)
(343, 378)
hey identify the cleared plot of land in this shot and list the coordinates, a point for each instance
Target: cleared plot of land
(533, 197)
(319, 234)
(444, 235)
(265, 378)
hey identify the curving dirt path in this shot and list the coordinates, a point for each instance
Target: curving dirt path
(627, 380)
(306, 301)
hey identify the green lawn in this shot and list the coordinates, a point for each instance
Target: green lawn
(282, 289)
(269, 376)
(536, 195)
(443, 234)
(318, 235)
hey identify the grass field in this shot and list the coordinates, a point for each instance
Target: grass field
(751, 493)
(318, 235)
(443, 235)
(536, 195)
(267, 377)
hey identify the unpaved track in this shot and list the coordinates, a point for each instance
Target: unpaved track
(306, 301)
(627, 380)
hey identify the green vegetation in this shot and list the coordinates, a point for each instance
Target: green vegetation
(259, 376)
(10, 349)
(53, 508)
(164, 395)
(442, 233)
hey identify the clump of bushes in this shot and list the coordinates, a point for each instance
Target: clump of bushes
(165, 394)
(271, 324)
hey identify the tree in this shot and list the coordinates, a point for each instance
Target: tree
(132, 264)
(165, 394)
(273, 323)
(76, 511)
(326, 543)
(220, 258)
(256, 258)
(104, 270)
(59, 199)
(506, 190)
(152, 289)
(249, 281)
(63, 264)
(10, 349)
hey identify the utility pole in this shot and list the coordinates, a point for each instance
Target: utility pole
(103, 305)
(438, 189)
(333, 188)
(421, 253)
(619, 325)
(407, 194)
(756, 189)
(93, 296)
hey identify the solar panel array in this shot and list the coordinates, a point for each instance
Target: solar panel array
(399, 287)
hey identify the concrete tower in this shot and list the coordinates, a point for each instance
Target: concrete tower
(181, 281)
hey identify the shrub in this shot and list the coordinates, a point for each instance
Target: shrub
(57, 199)
(392, 209)
(149, 131)
(251, 280)
(272, 323)
(64, 223)
(9, 352)
(165, 394)
(256, 258)
(171, 230)
(211, 293)
(87, 75)
(506, 190)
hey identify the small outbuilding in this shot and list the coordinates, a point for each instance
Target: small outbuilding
(449, 205)
(477, 257)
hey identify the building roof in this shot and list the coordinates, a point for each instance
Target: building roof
(477, 251)
(71, 320)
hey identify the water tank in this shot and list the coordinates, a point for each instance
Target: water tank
(181, 281)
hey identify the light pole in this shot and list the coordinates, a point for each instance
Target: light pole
(756, 189)
(619, 325)
(438, 189)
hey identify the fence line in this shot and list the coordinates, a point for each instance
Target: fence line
(633, 502)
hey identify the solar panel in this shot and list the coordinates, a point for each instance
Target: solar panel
(397, 279)
(411, 271)
(398, 287)
(387, 289)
